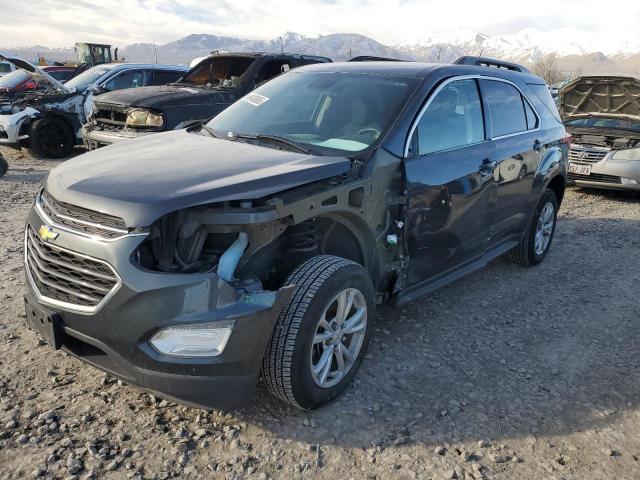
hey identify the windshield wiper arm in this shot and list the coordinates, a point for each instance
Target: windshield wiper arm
(272, 138)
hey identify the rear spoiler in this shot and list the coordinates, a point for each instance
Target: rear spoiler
(490, 62)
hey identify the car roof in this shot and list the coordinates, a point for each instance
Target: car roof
(46, 68)
(153, 66)
(416, 70)
(267, 54)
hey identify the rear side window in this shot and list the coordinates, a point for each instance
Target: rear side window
(130, 79)
(507, 108)
(61, 75)
(452, 119)
(543, 93)
(164, 77)
(532, 120)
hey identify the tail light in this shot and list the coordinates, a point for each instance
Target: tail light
(567, 140)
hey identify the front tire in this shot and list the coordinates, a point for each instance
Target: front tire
(4, 166)
(321, 334)
(51, 137)
(537, 239)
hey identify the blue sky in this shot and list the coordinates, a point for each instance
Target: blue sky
(63, 22)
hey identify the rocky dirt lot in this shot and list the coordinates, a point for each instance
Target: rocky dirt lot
(510, 373)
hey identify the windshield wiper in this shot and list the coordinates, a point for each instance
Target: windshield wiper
(270, 138)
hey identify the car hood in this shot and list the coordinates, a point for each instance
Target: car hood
(40, 75)
(166, 96)
(600, 96)
(142, 179)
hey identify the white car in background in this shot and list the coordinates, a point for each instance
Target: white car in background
(50, 122)
(602, 113)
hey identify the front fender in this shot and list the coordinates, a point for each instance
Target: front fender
(13, 123)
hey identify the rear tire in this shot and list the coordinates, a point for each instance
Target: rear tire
(317, 346)
(51, 137)
(537, 239)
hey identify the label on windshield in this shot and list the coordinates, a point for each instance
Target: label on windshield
(255, 99)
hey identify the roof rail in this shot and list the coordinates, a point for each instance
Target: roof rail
(490, 62)
(371, 58)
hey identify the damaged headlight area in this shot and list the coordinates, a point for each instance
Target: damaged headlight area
(199, 240)
(144, 118)
(249, 248)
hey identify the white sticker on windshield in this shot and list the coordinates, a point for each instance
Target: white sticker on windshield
(255, 99)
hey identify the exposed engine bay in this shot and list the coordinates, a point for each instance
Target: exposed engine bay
(613, 142)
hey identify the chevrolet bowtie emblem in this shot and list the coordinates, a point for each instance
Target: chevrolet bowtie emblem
(47, 234)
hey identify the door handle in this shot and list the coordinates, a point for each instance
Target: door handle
(487, 167)
(537, 145)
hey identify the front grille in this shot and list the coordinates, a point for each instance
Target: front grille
(65, 276)
(595, 177)
(109, 118)
(579, 153)
(81, 220)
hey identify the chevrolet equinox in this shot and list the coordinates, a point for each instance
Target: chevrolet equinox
(193, 262)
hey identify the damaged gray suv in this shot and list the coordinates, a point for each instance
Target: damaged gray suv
(191, 263)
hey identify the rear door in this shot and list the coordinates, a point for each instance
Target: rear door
(513, 128)
(451, 192)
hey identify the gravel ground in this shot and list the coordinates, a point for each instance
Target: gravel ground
(509, 373)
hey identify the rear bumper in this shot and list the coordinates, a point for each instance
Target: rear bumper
(93, 139)
(115, 337)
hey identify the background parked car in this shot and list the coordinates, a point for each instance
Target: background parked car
(20, 81)
(209, 87)
(50, 122)
(603, 115)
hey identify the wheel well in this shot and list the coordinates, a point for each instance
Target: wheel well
(332, 234)
(24, 126)
(557, 185)
(337, 239)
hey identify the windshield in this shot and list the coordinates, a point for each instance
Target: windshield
(5, 67)
(218, 71)
(326, 111)
(86, 79)
(13, 79)
(599, 122)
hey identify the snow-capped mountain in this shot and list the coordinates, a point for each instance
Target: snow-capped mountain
(574, 48)
(530, 43)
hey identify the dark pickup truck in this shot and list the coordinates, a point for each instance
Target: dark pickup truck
(208, 88)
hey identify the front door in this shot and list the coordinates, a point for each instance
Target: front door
(451, 186)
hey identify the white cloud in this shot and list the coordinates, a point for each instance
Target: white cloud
(58, 23)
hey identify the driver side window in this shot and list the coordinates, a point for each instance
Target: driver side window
(453, 119)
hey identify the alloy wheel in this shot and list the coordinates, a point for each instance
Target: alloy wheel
(544, 228)
(339, 337)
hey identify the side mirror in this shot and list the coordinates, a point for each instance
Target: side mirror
(98, 90)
